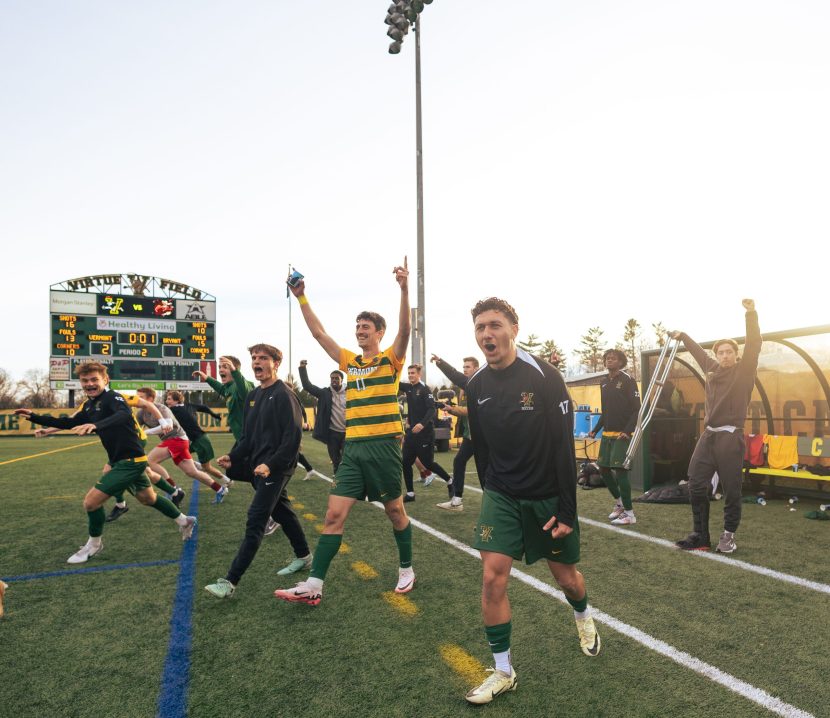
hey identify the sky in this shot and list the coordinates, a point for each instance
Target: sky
(588, 162)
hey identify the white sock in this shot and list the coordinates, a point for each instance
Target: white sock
(315, 584)
(181, 520)
(121, 504)
(94, 541)
(502, 661)
(580, 615)
(455, 501)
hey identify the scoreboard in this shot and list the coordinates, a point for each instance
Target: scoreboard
(143, 340)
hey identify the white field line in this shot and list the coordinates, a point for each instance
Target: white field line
(728, 681)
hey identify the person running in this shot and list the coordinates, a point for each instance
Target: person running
(419, 439)
(266, 456)
(371, 463)
(174, 444)
(620, 406)
(106, 413)
(232, 387)
(465, 451)
(521, 423)
(330, 421)
(185, 413)
(720, 448)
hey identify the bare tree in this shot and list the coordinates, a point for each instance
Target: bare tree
(35, 392)
(660, 332)
(8, 391)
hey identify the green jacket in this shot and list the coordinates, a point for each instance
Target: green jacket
(234, 393)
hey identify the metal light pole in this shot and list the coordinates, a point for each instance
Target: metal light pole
(419, 338)
(290, 334)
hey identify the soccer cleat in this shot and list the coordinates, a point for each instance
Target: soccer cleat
(309, 475)
(271, 526)
(117, 512)
(407, 498)
(495, 684)
(589, 640)
(187, 529)
(220, 495)
(298, 564)
(625, 519)
(85, 553)
(406, 580)
(727, 543)
(177, 497)
(693, 542)
(301, 593)
(450, 506)
(618, 511)
(429, 478)
(221, 589)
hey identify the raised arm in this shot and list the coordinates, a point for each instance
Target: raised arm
(701, 357)
(752, 348)
(404, 322)
(449, 371)
(331, 347)
(315, 391)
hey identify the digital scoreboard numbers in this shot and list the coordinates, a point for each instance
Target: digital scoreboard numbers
(138, 337)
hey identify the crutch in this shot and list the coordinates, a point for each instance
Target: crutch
(652, 395)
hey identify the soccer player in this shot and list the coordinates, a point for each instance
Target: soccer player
(174, 444)
(419, 439)
(232, 387)
(330, 424)
(371, 463)
(185, 414)
(106, 413)
(521, 422)
(620, 406)
(465, 451)
(729, 383)
(266, 456)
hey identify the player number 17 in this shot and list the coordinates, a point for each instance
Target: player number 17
(564, 406)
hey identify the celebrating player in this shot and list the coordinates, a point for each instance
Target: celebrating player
(106, 413)
(371, 463)
(521, 422)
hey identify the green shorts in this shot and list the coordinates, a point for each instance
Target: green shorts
(203, 448)
(126, 475)
(612, 451)
(514, 527)
(372, 468)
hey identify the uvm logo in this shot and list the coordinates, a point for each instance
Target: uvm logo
(113, 305)
(486, 534)
(527, 401)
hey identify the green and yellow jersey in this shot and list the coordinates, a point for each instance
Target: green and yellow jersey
(372, 410)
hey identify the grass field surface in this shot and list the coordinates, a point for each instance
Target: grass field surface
(133, 633)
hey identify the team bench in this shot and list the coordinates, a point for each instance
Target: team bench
(810, 448)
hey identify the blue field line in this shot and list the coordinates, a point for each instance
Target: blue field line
(175, 676)
(87, 569)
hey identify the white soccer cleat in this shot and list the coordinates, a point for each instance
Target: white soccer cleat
(451, 506)
(589, 640)
(309, 475)
(86, 552)
(495, 684)
(618, 511)
(406, 580)
(187, 529)
(429, 478)
(625, 519)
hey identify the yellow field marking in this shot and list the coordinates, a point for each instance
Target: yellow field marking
(297, 504)
(401, 603)
(364, 570)
(290, 497)
(344, 548)
(44, 453)
(465, 665)
(310, 517)
(319, 528)
(58, 498)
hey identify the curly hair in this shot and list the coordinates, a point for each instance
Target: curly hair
(497, 305)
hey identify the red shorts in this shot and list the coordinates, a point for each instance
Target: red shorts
(179, 449)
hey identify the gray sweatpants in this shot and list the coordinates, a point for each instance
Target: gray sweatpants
(723, 452)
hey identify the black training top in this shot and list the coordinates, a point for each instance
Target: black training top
(420, 404)
(114, 424)
(271, 431)
(521, 421)
(620, 403)
(187, 421)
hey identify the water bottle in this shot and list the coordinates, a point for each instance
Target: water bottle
(824, 507)
(761, 501)
(792, 502)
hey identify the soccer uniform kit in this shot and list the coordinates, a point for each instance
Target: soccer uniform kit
(521, 422)
(175, 440)
(620, 406)
(185, 414)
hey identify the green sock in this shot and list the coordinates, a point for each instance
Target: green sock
(166, 487)
(404, 540)
(580, 605)
(119, 497)
(327, 548)
(166, 506)
(499, 637)
(625, 488)
(96, 521)
(610, 481)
